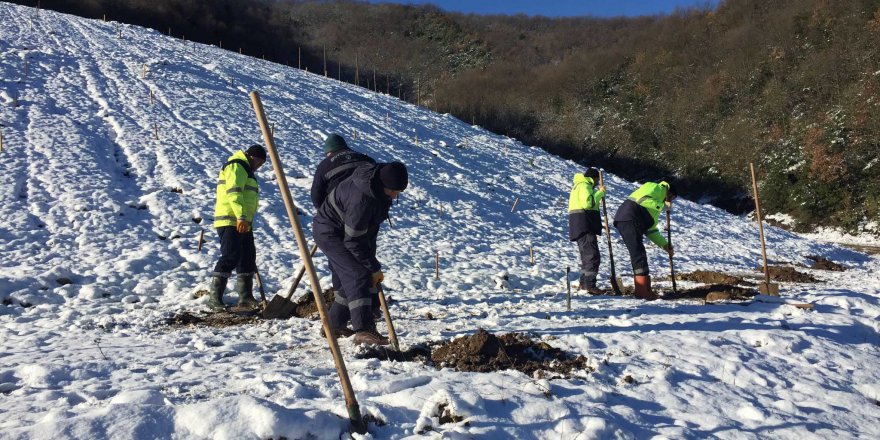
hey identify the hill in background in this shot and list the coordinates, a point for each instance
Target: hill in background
(793, 85)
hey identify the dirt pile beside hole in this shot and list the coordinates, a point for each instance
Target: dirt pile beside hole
(710, 277)
(418, 353)
(713, 292)
(306, 307)
(216, 319)
(822, 263)
(788, 274)
(485, 352)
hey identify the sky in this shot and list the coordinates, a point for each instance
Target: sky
(560, 8)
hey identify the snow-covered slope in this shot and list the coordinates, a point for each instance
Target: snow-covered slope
(90, 197)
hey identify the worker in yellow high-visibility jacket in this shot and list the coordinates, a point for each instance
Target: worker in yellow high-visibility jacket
(637, 218)
(237, 197)
(585, 225)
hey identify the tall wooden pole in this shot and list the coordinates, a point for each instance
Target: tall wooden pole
(760, 225)
(299, 60)
(354, 412)
(325, 60)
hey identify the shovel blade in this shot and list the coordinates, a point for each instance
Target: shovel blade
(771, 289)
(279, 308)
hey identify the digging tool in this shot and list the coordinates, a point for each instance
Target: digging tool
(766, 287)
(615, 282)
(262, 291)
(354, 411)
(392, 335)
(281, 307)
(669, 240)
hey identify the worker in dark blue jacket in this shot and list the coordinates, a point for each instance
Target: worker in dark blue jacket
(338, 164)
(345, 228)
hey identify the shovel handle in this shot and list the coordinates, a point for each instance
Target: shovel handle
(392, 335)
(299, 276)
(614, 285)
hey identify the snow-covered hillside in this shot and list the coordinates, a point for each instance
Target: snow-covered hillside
(98, 248)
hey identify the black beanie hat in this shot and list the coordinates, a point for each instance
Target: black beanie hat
(334, 142)
(592, 173)
(394, 176)
(256, 151)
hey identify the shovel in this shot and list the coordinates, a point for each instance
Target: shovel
(615, 281)
(281, 307)
(392, 335)
(262, 292)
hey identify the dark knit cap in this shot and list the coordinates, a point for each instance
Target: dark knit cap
(394, 176)
(334, 142)
(592, 173)
(256, 151)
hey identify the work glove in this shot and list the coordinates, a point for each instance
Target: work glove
(669, 250)
(378, 277)
(602, 188)
(242, 226)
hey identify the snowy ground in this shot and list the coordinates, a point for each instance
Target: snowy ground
(90, 197)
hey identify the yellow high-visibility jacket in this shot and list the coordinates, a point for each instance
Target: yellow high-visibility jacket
(652, 197)
(583, 208)
(237, 192)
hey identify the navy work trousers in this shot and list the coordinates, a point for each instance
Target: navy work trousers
(588, 247)
(237, 251)
(634, 241)
(352, 284)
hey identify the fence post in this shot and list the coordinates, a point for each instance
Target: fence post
(436, 264)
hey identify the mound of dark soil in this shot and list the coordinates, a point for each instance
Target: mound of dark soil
(788, 274)
(713, 292)
(822, 263)
(484, 352)
(710, 277)
(216, 319)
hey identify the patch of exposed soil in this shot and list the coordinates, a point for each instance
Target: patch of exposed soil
(822, 263)
(788, 274)
(713, 292)
(306, 307)
(711, 277)
(215, 319)
(484, 352)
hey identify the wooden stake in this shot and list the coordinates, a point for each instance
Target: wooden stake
(354, 413)
(155, 131)
(375, 85)
(26, 68)
(515, 202)
(1, 141)
(325, 61)
(669, 240)
(437, 265)
(144, 70)
(221, 44)
(357, 71)
(201, 239)
(770, 290)
(568, 288)
(151, 96)
(531, 255)
(299, 61)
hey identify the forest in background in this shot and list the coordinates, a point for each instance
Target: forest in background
(793, 85)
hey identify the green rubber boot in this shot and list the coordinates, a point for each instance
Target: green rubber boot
(244, 286)
(215, 295)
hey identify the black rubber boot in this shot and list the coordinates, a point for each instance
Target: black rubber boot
(215, 295)
(244, 286)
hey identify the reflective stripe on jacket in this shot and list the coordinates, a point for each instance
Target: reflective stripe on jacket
(643, 207)
(583, 208)
(237, 192)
